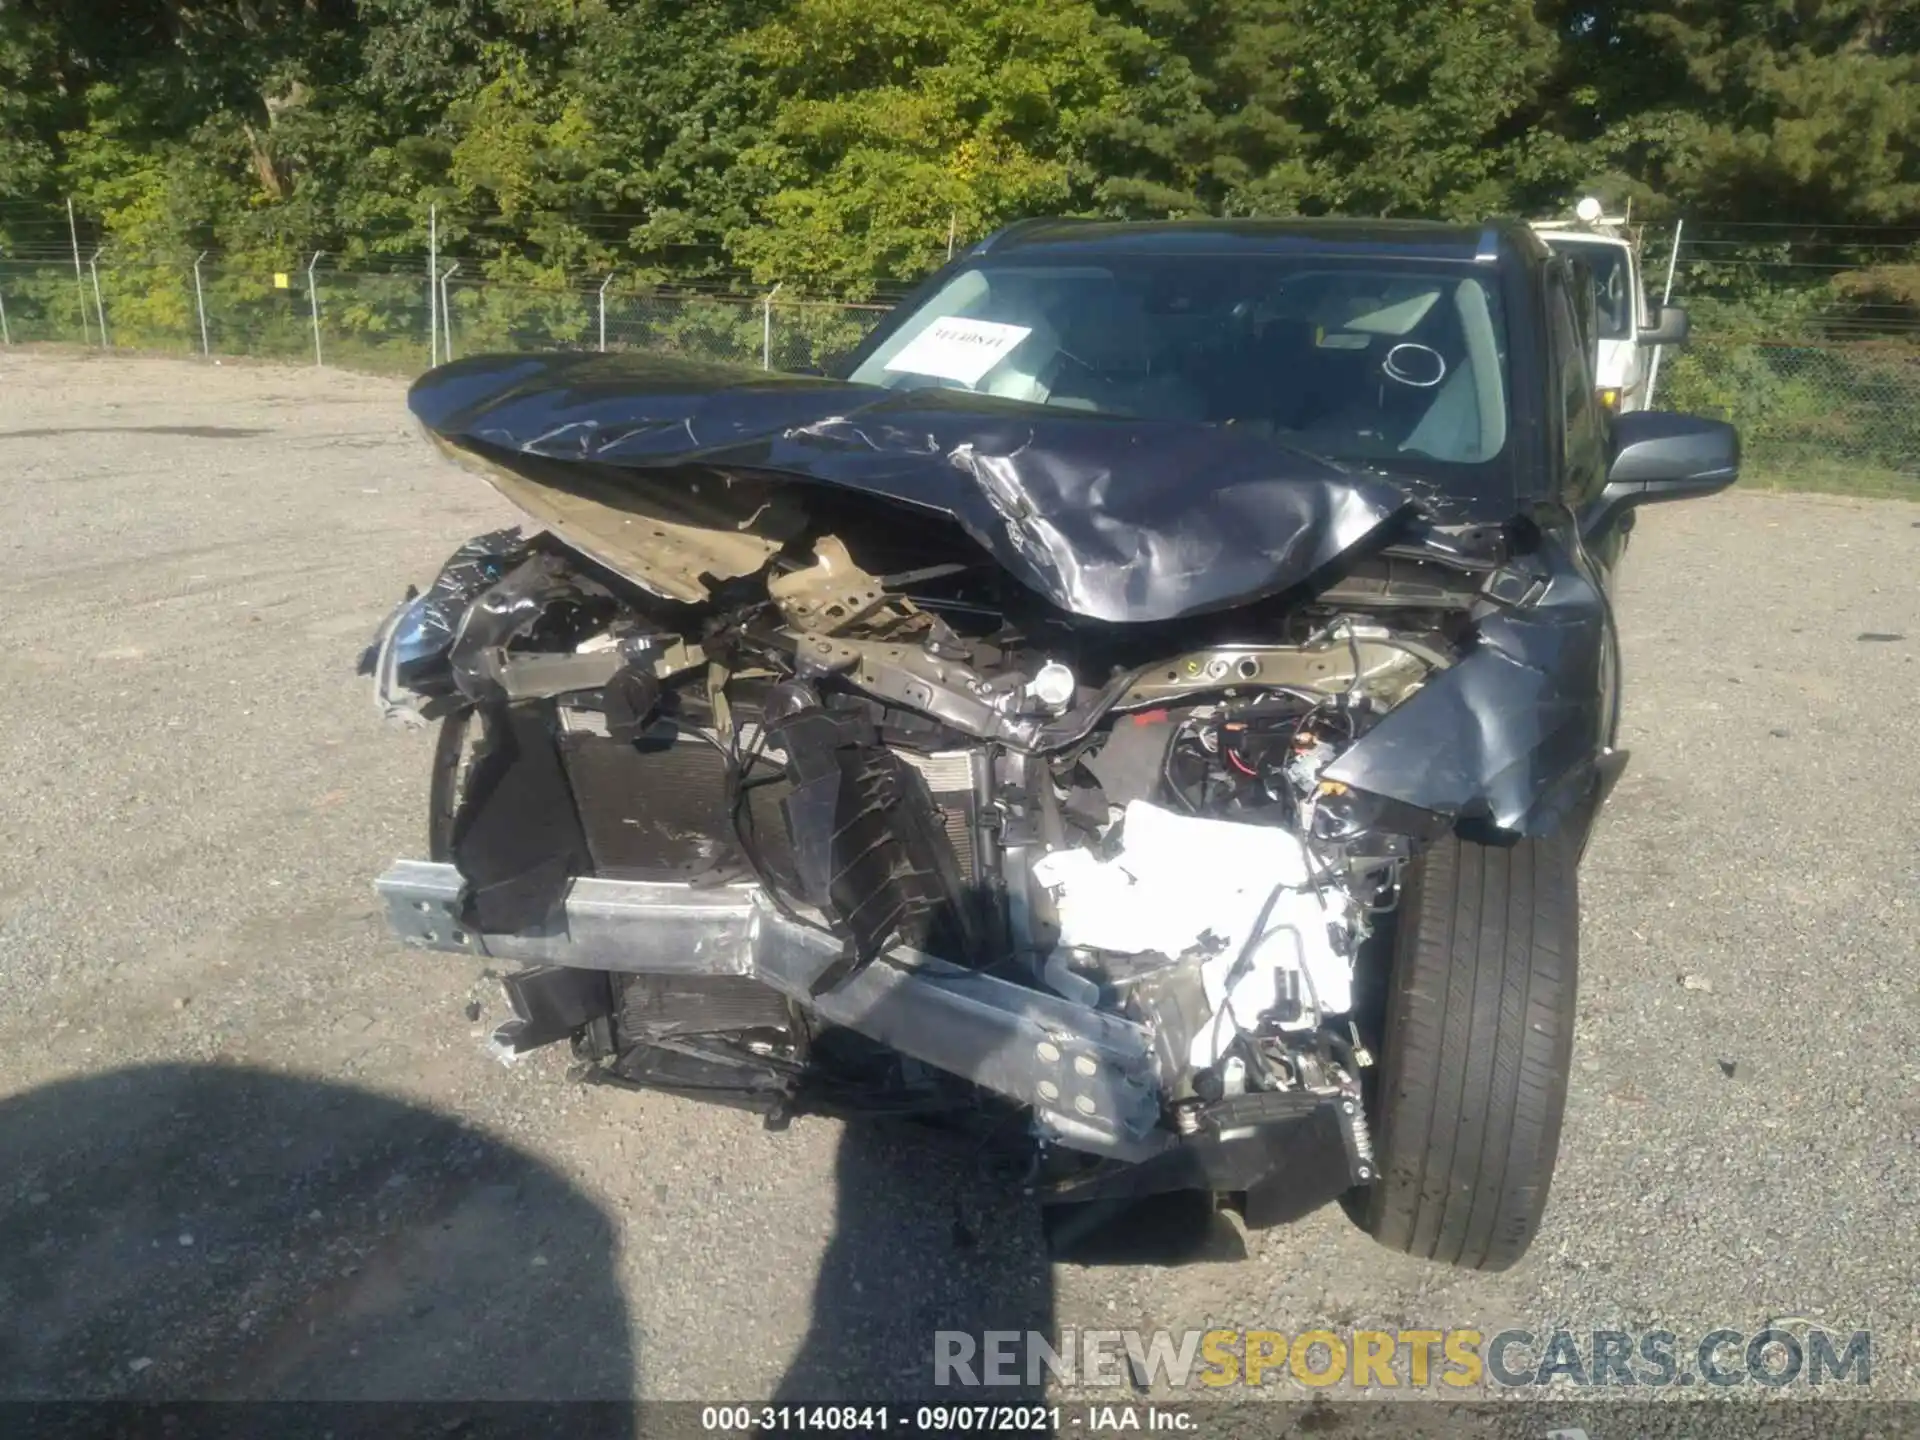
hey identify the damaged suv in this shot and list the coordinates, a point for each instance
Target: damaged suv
(1151, 701)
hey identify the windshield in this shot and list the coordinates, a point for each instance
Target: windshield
(1374, 362)
(1606, 263)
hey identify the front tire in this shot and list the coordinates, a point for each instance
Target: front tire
(1476, 1040)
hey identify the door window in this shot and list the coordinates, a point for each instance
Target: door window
(1582, 423)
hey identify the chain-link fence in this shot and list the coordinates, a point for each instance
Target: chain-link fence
(396, 323)
(1841, 414)
(1835, 414)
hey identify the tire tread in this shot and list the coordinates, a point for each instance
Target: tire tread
(1477, 1045)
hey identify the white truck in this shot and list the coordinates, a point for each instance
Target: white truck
(1629, 326)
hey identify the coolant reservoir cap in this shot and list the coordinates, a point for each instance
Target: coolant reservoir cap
(1053, 685)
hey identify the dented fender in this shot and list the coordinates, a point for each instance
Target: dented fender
(1509, 735)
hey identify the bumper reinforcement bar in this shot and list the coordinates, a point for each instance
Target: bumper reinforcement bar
(1089, 1076)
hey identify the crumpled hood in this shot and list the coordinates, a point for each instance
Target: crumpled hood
(1113, 519)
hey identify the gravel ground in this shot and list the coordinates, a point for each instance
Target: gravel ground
(253, 1149)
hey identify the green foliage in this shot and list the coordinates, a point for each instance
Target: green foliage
(1313, 106)
(836, 145)
(1757, 109)
(1849, 404)
(903, 123)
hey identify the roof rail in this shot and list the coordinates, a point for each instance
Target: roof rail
(1020, 227)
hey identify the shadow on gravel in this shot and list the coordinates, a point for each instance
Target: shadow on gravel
(934, 1234)
(210, 1232)
(926, 1240)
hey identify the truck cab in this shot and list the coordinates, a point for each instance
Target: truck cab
(1629, 326)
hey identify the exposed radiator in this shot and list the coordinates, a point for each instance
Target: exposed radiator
(949, 775)
(657, 810)
(658, 1005)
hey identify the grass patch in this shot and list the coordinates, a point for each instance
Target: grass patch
(1827, 476)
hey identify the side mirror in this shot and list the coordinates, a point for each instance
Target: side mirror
(1660, 456)
(1670, 328)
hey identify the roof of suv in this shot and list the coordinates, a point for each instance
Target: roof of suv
(1427, 239)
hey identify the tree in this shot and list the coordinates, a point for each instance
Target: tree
(1358, 106)
(676, 105)
(905, 123)
(842, 144)
(1758, 109)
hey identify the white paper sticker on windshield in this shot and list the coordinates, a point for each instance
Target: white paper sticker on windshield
(959, 349)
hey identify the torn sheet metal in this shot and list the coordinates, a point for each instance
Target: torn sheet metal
(408, 658)
(1509, 734)
(507, 609)
(670, 539)
(1113, 519)
(1244, 896)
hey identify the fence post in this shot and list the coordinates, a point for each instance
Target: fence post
(446, 311)
(1653, 367)
(433, 286)
(6, 335)
(313, 303)
(93, 265)
(766, 328)
(603, 312)
(200, 306)
(79, 280)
